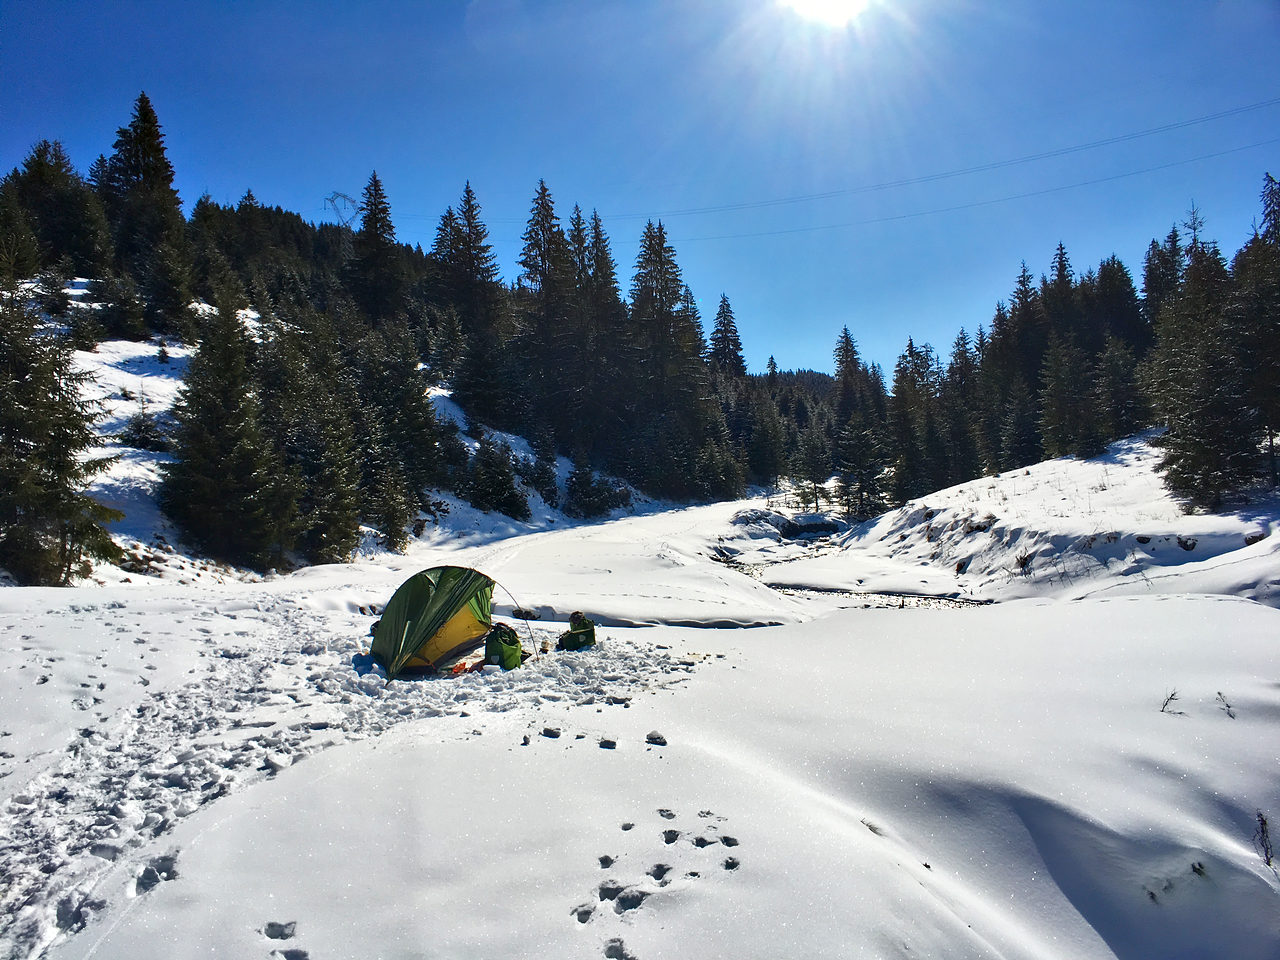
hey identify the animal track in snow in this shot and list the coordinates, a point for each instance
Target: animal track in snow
(279, 931)
(615, 949)
(156, 871)
(286, 690)
(627, 896)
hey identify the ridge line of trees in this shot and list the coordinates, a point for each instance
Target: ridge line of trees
(290, 435)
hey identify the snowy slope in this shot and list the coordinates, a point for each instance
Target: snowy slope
(987, 782)
(195, 761)
(1065, 528)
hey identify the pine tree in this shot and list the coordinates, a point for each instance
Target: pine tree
(811, 465)
(959, 406)
(547, 334)
(225, 489)
(1161, 275)
(397, 389)
(64, 213)
(1116, 401)
(674, 405)
(493, 480)
(1199, 384)
(1067, 418)
(49, 527)
(613, 375)
(726, 346)
(1019, 436)
(481, 384)
(1119, 309)
(1254, 311)
(145, 215)
(376, 271)
(306, 404)
(766, 445)
(859, 464)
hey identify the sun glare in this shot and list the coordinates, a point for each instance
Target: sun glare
(831, 13)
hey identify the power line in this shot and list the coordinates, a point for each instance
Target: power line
(939, 176)
(960, 172)
(982, 203)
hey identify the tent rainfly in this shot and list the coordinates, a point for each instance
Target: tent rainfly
(435, 615)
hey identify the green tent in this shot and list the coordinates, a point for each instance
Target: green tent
(435, 615)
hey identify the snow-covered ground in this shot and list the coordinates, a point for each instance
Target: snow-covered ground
(1062, 528)
(762, 757)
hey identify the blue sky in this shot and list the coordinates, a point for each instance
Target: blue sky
(704, 113)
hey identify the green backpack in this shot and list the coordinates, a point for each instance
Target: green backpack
(581, 633)
(502, 647)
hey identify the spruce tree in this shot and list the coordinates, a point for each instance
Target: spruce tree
(1161, 275)
(850, 377)
(726, 345)
(1116, 401)
(766, 444)
(145, 215)
(859, 464)
(545, 301)
(959, 404)
(225, 489)
(811, 466)
(1200, 384)
(397, 388)
(1118, 307)
(19, 248)
(612, 372)
(481, 383)
(49, 527)
(64, 213)
(376, 271)
(492, 483)
(1254, 311)
(1062, 315)
(674, 407)
(1067, 418)
(1019, 434)
(306, 400)
(585, 495)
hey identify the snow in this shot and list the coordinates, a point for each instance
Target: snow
(762, 756)
(1065, 528)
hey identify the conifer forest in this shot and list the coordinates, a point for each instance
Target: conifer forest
(306, 411)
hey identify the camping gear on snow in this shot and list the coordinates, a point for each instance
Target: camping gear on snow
(502, 647)
(581, 633)
(435, 615)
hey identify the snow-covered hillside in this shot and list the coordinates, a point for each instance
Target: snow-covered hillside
(761, 758)
(1064, 528)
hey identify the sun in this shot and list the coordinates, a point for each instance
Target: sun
(831, 13)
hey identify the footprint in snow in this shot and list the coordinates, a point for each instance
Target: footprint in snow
(615, 949)
(157, 870)
(280, 931)
(627, 897)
